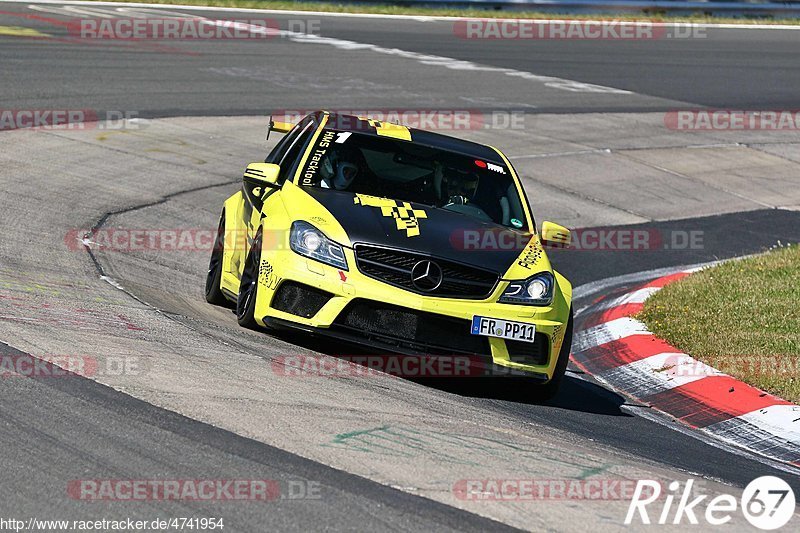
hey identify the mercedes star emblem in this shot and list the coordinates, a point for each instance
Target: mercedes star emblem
(426, 276)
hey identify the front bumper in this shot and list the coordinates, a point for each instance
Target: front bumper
(302, 293)
(460, 365)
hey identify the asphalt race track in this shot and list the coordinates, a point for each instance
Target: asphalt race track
(204, 399)
(722, 68)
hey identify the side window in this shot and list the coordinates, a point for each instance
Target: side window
(284, 144)
(288, 161)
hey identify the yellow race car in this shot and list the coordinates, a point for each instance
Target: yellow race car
(402, 240)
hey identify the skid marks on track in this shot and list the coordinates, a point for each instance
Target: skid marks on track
(33, 301)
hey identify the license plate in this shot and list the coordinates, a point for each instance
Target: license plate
(503, 329)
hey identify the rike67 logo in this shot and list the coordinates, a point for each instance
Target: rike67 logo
(767, 502)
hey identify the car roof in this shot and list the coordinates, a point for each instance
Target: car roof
(345, 122)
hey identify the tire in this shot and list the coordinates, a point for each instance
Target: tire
(214, 293)
(548, 390)
(248, 287)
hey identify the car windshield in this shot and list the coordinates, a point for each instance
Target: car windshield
(400, 170)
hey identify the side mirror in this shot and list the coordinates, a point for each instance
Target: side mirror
(554, 235)
(262, 174)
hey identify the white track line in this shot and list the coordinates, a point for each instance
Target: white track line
(347, 45)
(635, 297)
(659, 373)
(783, 420)
(619, 328)
(602, 285)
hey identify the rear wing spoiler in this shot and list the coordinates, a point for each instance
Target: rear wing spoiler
(280, 127)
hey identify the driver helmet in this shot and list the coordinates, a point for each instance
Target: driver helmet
(339, 168)
(462, 184)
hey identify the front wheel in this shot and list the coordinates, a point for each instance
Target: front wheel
(214, 293)
(248, 287)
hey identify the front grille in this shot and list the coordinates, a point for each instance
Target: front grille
(426, 333)
(394, 267)
(299, 299)
(529, 353)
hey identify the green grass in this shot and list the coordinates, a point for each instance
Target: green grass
(390, 9)
(741, 317)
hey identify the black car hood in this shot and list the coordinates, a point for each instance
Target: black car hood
(441, 233)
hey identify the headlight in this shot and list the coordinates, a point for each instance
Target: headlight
(536, 290)
(306, 240)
